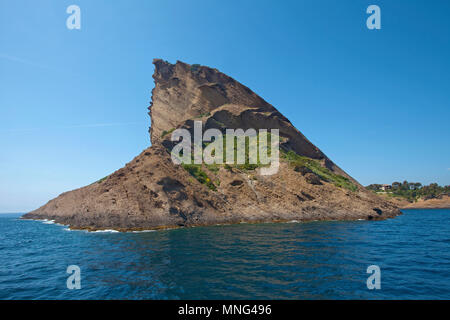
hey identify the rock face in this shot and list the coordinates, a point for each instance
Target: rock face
(152, 192)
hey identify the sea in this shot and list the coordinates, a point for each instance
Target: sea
(407, 257)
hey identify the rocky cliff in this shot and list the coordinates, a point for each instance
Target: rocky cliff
(152, 192)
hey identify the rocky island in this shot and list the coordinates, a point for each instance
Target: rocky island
(152, 192)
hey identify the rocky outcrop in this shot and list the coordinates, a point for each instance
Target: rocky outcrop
(152, 192)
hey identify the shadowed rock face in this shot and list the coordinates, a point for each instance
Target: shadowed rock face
(151, 192)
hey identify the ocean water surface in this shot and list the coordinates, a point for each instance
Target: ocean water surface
(316, 260)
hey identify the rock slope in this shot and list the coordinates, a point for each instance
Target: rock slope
(151, 192)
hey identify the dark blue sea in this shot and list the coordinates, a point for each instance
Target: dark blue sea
(316, 260)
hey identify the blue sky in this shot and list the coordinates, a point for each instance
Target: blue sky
(73, 103)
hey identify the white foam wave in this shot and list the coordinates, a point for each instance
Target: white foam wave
(106, 230)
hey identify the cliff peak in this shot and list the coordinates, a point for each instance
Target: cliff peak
(183, 91)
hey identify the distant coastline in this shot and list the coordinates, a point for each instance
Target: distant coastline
(440, 202)
(407, 195)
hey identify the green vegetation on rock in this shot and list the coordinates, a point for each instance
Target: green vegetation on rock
(196, 171)
(315, 166)
(201, 115)
(294, 160)
(164, 133)
(213, 167)
(247, 166)
(102, 179)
